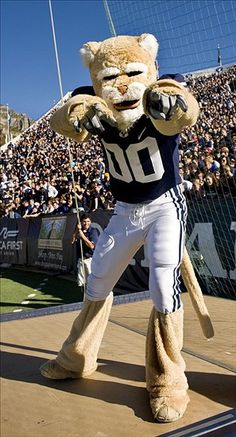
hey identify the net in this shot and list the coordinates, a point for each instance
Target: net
(195, 37)
(193, 34)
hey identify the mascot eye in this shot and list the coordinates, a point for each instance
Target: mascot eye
(113, 76)
(134, 73)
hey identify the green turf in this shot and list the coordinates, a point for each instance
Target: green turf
(17, 285)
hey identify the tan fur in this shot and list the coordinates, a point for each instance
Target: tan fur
(196, 296)
(75, 108)
(165, 377)
(118, 52)
(78, 355)
(79, 351)
(181, 118)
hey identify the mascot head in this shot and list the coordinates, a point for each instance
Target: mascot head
(121, 68)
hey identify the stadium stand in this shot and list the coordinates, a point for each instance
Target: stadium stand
(36, 175)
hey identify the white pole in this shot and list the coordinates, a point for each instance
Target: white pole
(55, 48)
(68, 144)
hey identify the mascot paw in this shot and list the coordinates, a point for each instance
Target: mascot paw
(163, 106)
(52, 370)
(97, 118)
(168, 409)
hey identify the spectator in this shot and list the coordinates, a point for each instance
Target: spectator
(211, 186)
(87, 237)
(11, 211)
(227, 182)
(96, 198)
(197, 192)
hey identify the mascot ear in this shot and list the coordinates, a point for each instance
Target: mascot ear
(88, 52)
(148, 42)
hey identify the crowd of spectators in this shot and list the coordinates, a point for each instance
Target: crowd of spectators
(208, 149)
(38, 176)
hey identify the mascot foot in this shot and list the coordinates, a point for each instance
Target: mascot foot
(168, 409)
(52, 370)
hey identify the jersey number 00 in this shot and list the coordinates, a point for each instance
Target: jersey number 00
(140, 161)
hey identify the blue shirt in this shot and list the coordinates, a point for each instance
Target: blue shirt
(92, 235)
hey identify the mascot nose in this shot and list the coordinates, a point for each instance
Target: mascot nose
(122, 89)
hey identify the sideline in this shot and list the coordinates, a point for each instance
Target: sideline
(121, 299)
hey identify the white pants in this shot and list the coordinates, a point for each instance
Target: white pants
(160, 226)
(83, 270)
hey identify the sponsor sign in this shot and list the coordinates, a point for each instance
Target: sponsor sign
(52, 233)
(13, 237)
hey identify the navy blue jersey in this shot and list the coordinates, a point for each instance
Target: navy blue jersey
(144, 164)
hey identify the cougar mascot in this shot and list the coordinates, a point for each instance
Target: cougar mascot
(138, 119)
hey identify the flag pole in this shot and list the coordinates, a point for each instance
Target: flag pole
(219, 60)
(68, 143)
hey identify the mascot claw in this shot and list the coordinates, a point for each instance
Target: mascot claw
(77, 125)
(95, 118)
(162, 106)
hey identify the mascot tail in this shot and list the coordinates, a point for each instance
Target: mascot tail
(191, 284)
